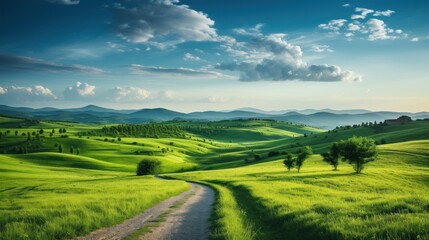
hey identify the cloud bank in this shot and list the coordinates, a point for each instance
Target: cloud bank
(16, 94)
(272, 58)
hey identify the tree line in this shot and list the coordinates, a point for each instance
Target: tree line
(150, 130)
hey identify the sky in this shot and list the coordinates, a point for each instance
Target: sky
(199, 55)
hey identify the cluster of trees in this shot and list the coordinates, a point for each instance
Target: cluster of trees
(357, 151)
(151, 130)
(297, 160)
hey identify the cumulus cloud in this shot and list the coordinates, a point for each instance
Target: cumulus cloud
(65, 2)
(79, 90)
(130, 94)
(271, 57)
(190, 57)
(21, 63)
(346, 5)
(321, 48)
(373, 29)
(162, 23)
(353, 26)
(378, 30)
(189, 72)
(26, 94)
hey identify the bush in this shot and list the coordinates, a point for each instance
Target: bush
(148, 167)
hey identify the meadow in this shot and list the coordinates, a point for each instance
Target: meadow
(389, 200)
(48, 194)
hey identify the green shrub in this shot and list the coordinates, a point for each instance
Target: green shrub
(148, 167)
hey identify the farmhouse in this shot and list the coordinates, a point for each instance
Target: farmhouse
(400, 120)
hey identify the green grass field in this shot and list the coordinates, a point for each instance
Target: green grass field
(51, 201)
(390, 200)
(45, 194)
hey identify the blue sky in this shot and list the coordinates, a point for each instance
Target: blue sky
(215, 55)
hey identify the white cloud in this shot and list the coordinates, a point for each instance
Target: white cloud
(79, 90)
(378, 30)
(363, 13)
(386, 13)
(374, 29)
(357, 16)
(15, 94)
(418, 39)
(130, 94)
(321, 48)
(180, 72)
(346, 5)
(162, 23)
(256, 30)
(190, 57)
(64, 2)
(353, 27)
(333, 25)
(272, 58)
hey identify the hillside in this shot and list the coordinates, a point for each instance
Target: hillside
(264, 201)
(92, 177)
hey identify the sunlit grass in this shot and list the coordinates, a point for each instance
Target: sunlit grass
(389, 200)
(41, 202)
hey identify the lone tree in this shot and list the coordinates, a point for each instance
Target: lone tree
(358, 151)
(332, 157)
(60, 148)
(148, 167)
(289, 162)
(71, 149)
(302, 156)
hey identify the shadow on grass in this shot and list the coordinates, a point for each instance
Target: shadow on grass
(270, 225)
(291, 176)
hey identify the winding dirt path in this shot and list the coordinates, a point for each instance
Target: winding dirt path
(188, 221)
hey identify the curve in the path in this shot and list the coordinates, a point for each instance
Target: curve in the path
(189, 221)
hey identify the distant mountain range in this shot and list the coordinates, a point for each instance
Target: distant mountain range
(324, 118)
